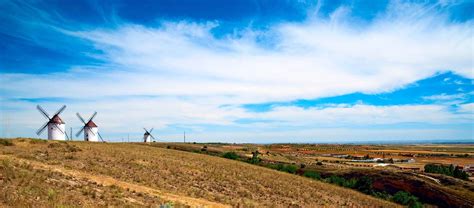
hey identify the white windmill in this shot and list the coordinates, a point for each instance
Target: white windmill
(147, 135)
(91, 133)
(56, 126)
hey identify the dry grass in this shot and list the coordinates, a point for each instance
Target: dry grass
(21, 185)
(189, 174)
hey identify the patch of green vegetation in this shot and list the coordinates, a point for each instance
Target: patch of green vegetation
(450, 170)
(405, 198)
(312, 174)
(255, 159)
(284, 168)
(362, 184)
(231, 155)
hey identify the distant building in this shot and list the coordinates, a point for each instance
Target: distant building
(469, 169)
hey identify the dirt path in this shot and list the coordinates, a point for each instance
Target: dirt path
(108, 181)
(429, 177)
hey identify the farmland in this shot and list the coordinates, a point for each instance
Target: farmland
(391, 168)
(39, 173)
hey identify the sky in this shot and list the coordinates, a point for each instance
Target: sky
(243, 71)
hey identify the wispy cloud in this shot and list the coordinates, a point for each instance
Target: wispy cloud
(190, 72)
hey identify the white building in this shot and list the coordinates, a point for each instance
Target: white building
(56, 129)
(91, 132)
(146, 137)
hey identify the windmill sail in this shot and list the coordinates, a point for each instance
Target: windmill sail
(55, 125)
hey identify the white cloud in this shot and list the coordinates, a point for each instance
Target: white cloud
(445, 97)
(194, 73)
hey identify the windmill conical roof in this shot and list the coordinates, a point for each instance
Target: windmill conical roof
(91, 124)
(56, 119)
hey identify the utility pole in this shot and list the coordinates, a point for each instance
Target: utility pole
(184, 136)
(128, 137)
(70, 133)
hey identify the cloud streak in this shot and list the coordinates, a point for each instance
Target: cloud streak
(190, 73)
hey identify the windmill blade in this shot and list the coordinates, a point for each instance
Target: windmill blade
(42, 128)
(67, 137)
(153, 137)
(80, 131)
(43, 112)
(151, 130)
(60, 110)
(100, 136)
(93, 115)
(146, 130)
(80, 118)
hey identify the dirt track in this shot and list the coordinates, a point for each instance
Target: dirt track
(109, 181)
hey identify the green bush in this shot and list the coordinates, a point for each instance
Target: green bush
(231, 155)
(284, 168)
(6, 142)
(276, 166)
(405, 198)
(383, 195)
(351, 183)
(364, 184)
(290, 169)
(336, 180)
(312, 174)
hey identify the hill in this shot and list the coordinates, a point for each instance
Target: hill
(39, 173)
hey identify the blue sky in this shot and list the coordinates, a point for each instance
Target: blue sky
(242, 71)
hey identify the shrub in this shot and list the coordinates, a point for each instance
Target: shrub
(285, 168)
(6, 142)
(319, 163)
(255, 159)
(336, 180)
(351, 183)
(364, 184)
(290, 168)
(51, 195)
(276, 166)
(406, 198)
(383, 195)
(312, 174)
(231, 155)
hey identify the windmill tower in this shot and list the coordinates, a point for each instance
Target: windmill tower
(91, 132)
(56, 126)
(147, 135)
